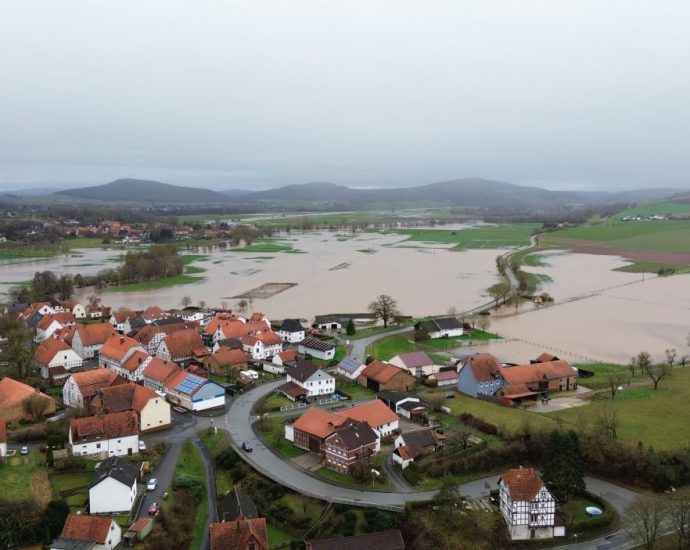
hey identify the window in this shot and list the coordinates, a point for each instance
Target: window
(533, 518)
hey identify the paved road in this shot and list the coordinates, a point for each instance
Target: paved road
(359, 346)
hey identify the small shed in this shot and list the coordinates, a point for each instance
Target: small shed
(139, 530)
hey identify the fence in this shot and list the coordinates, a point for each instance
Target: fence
(293, 407)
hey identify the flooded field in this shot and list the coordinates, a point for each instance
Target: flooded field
(598, 315)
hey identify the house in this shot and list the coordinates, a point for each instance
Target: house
(194, 392)
(291, 331)
(102, 436)
(382, 540)
(236, 503)
(133, 368)
(153, 411)
(181, 346)
(334, 322)
(158, 372)
(225, 361)
(51, 323)
(479, 374)
(15, 397)
(239, 534)
(89, 339)
(153, 313)
(75, 308)
(445, 378)
(116, 352)
(138, 531)
(349, 369)
(527, 505)
(403, 403)
(380, 376)
(440, 327)
(262, 345)
(317, 348)
(351, 443)
(415, 444)
(544, 377)
(55, 359)
(309, 378)
(417, 363)
(284, 358)
(80, 388)
(114, 486)
(119, 318)
(3, 440)
(153, 334)
(310, 430)
(210, 333)
(133, 324)
(88, 533)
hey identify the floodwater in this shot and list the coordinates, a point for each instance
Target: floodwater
(598, 314)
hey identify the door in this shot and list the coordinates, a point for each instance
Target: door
(314, 445)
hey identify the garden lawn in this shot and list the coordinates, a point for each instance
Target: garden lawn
(372, 331)
(277, 538)
(602, 371)
(16, 476)
(658, 418)
(489, 236)
(507, 419)
(274, 436)
(391, 346)
(349, 481)
(456, 341)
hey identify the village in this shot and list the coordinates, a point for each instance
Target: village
(123, 381)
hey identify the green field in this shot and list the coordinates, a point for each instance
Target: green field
(657, 418)
(16, 475)
(72, 481)
(190, 275)
(394, 345)
(664, 236)
(489, 236)
(274, 436)
(602, 373)
(660, 208)
(268, 245)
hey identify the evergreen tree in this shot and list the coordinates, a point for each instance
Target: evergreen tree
(562, 469)
(350, 328)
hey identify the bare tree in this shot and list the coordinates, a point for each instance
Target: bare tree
(185, 301)
(608, 422)
(483, 322)
(671, 355)
(452, 311)
(385, 308)
(499, 291)
(615, 382)
(632, 366)
(678, 511)
(202, 304)
(242, 305)
(643, 521)
(657, 372)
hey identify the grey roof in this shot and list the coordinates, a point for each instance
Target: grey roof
(415, 359)
(412, 405)
(383, 540)
(313, 343)
(303, 370)
(72, 544)
(291, 325)
(118, 469)
(235, 504)
(440, 323)
(418, 439)
(392, 396)
(232, 343)
(168, 321)
(342, 317)
(136, 322)
(349, 365)
(355, 434)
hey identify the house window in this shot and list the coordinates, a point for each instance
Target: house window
(533, 518)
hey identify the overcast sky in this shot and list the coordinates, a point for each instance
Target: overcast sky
(562, 94)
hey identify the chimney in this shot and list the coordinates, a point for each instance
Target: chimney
(122, 339)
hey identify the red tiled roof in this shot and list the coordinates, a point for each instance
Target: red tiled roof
(446, 375)
(235, 535)
(182, 342)
(525, 374)
(322, 423)
(318, 422)
(110, 426)
(152, 313)
(98, 333)
(135, 361)
(287, 355)
(47, 349)
(380, 372)
(116, 347)
(227, 356)
(376, 413)
(90, 381)
(13, 393)
(160, 370)
(90, 528)
(484, 366)
(122, 316)
(3, 431)
(523, 483)
(140, 524)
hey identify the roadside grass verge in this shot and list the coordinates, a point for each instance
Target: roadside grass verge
(349, 481)
(277, 538)
(658, 418)
(190, 463)
(273, 432)
(216, 442)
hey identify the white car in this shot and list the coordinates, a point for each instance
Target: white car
(142, 446)
(152, 484)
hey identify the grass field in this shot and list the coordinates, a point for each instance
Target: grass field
(662, 236)
(190, 463)
(489, 236)
(391, 346)
(65, 481)
(274, 436)
(190, 275)
(16, 475)
(217, 442)
(657, 418)
(602, 372)
(268, 245)
(660, 208)
(277, 538)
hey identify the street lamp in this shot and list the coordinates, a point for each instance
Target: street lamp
(374, 475)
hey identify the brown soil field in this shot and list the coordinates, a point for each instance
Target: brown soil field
(586, 247)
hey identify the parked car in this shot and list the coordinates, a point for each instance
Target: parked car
(25, 450)
(153, 509)
(179, 409)
(247, 446)
(152, 484)
(142, 446)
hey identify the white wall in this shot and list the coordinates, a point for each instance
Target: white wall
(111, 496)
(156, 414)
(106, 447)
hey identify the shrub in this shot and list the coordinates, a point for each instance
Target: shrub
(479, 424)
(190, 483)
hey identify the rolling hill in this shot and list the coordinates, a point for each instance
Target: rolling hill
(144, 191)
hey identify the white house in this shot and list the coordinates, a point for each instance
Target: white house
(350, 369)
(153, 411)
(311, 378)
(527, 505)
(3, 440)
(118, 319)
(317, 348)
(115, 434)
(55, 359)
(441, 327)
(445, 378)
(415, 444)
(116, 352)
(46, 327)
(194, 392)
(262, 346)
(89, 339)
(417, 363)
(88, 533)
(291, 331)
(81, 387)
(75, 308)
(113, 487)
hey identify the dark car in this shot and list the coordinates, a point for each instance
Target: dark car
(247, 446)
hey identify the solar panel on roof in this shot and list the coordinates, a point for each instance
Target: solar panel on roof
(190, 384)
